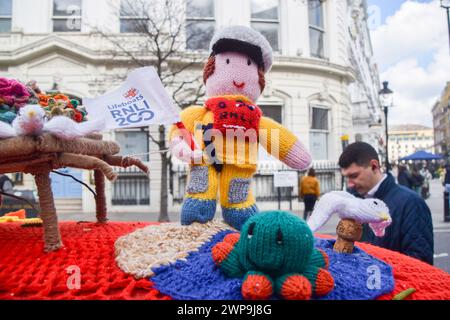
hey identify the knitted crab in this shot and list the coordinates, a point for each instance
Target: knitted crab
(275, 254)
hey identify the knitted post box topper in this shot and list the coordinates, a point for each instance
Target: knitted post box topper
(275, 254)
(228, 128)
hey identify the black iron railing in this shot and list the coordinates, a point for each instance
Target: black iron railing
(262, 184)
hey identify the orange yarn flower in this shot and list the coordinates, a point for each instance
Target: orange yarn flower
(43, 99)
(63, 97)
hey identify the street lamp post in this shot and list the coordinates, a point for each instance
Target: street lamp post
(446, 5)
(386, 102)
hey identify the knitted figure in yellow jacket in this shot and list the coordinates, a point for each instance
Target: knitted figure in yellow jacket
(228, 129)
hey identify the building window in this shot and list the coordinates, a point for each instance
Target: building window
(264, 18)
(132, 186)
(316, 28)
(133, 16)
(200, 24)
(133, 142)
(5, 15)
(319, 133)
(66, 15)
(272, 111)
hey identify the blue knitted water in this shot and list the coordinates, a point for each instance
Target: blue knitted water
(199, 278)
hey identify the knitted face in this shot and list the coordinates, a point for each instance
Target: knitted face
(275, 242)
(234, 74)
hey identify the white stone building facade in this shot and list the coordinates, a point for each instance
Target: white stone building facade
(323, 83)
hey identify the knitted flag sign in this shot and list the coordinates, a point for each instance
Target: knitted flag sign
(356, 276)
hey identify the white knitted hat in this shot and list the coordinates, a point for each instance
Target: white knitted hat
(245, 40)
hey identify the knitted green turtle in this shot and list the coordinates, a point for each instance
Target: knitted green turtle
(275, 254)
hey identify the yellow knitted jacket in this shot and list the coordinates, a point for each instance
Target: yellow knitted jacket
(275, 138)
(309, 185)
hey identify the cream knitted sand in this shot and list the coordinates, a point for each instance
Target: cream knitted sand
(140, 251)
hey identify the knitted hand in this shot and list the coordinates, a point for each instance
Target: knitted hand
(182, 151)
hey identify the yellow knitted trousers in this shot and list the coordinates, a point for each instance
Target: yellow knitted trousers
(233, 186)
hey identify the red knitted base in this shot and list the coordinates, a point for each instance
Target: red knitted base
(26, 272)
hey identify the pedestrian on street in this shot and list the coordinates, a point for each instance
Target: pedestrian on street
(417, 181)
(411, 231)
(309, 191)
(427, 177)
(404, 177)
(446, 182)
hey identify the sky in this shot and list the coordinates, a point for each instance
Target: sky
(411, 48)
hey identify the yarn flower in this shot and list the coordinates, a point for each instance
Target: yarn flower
(43, 99)
(78, 117)
(13, 93)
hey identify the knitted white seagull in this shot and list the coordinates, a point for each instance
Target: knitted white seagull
(346, 206)
(32, 121)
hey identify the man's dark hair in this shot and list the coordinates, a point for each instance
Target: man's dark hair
(359, 153)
